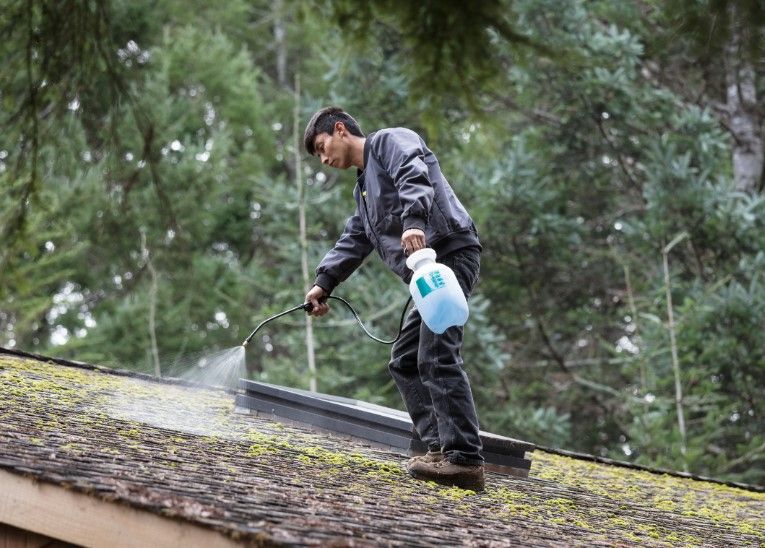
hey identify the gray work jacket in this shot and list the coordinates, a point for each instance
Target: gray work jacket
(401, 187)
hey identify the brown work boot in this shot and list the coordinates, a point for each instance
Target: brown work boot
(465, 476)
(429, 457)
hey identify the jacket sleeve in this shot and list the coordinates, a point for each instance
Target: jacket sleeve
(400, 153)
(350, 250)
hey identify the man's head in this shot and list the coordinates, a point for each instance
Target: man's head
(331, 135)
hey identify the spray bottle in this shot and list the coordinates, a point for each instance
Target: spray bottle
(436, 292)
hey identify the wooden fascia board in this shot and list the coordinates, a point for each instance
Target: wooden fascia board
(67, 515)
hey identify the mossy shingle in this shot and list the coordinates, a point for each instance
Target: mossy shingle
(183, 452)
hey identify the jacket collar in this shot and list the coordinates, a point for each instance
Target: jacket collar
(367, 149)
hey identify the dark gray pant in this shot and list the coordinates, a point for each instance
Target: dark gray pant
(428, 371)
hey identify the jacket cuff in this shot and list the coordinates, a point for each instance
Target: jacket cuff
(326, 282)
(412, 221)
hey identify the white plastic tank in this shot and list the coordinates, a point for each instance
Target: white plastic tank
(436, 292)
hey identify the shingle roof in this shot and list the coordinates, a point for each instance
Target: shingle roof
(184, 453)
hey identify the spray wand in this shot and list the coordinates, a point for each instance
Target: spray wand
(308, 307)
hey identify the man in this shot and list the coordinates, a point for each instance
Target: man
(404, 203)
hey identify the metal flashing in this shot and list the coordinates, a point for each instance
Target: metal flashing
(374, 423)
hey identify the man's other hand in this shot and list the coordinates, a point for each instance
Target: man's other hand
(318, 298)
(412, 240)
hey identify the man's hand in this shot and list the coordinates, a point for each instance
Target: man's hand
(412, 240)
(317, 297)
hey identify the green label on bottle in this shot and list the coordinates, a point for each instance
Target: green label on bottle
(428, 286)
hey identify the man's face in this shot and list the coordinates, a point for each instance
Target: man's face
(334, 150)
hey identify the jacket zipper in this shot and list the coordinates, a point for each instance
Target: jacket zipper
(363, 194)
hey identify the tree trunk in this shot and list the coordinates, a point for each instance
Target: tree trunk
(280, 43)
(673, 346)
(152, 305)
(303, 236)
(741, 102)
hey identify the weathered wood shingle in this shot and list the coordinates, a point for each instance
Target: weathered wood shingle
(183, 453)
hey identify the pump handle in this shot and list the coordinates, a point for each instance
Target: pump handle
(309, 306)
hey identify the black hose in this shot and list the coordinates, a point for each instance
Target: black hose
(308, 307)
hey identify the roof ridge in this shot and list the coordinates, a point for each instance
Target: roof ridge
(113, 371)
(653, 470)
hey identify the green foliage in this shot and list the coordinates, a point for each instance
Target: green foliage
(454, 44)
(708, 24)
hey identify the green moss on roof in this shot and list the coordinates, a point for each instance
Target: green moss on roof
(731, 508)
(184, 452)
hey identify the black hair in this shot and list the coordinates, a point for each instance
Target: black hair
(323, 121)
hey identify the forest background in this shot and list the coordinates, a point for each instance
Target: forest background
(155, 200)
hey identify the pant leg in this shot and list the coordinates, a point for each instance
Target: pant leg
(441, 369)
(403, 369)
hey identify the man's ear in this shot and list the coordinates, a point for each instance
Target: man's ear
(340, 127)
